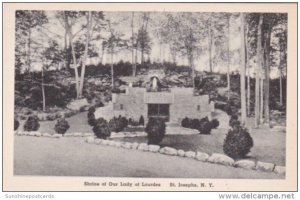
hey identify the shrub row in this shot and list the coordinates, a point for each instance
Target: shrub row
(203, 125)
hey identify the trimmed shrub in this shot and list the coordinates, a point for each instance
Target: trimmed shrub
(155, 130)
(214, 123)
(16, 124)
(194, 123)
(185, 122)
(238, 142)
(32, 123)
(101, 128)
(117, 124)
(233, 120)
(141, 121)
(205, 128)
(61, 126)
(91, 116)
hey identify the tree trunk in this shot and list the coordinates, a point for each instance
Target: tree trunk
(89, 27)
(43, 91)
(248, 72)
(280, 80)
(261, 110)
(243, 72)
(267, 76)
(132, 51)
(257, 72)
(112, 68)
(228, 58)
(73, 54)
(210, 44)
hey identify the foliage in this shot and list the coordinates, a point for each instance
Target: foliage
(101, 128)
(203, 125)
(234, 121)
(215, 123)
(185, 122)
(32, 123)
(155, 130)
(118, 124)
(16, 124)
(238, 142)
(61, 126)
(91, 116)
(141, 121)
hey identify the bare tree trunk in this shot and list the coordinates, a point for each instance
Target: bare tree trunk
(43, 91)
(257, 72)
(112, 67)
(267, 76)
(228, 58)
(132, 52)
(261, 110)
(248, 73)
(68, 28)
(89, 27)
(210, 44)
(243, 72)
(280, 80)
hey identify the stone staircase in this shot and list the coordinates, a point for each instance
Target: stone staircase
(173, 128)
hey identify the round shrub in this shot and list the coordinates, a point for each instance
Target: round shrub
(185, 122)
(155, 130)
(91, 109)
(61, 126)
(32, 123)
(194, 124)
(101, 128)
(91, 116)
(238, 142)
(214, 123)
(141, 121)
(16, 124)
(124, 122)
(205, 128)
(116, 125)
(233, 120)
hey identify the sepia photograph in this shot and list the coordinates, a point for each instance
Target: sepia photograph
(188, 95)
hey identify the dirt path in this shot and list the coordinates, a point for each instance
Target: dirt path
(74, 157)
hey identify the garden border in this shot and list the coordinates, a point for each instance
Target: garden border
(215, 158)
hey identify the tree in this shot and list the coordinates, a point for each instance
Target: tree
(26, 22)
(243, 71)
(257, 71)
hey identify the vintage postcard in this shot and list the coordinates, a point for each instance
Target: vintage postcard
(150, 97)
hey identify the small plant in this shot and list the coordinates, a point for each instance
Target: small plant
(205, 128)
(194, 124)
(91, 116)
(61, 126)
(214, 123)
(124, 122)
(238, 142)
(233, 120)
(32, 123)
(116, 125)
(16, 124)
(155, 130)
(141, 121)
(185, 122)
(101, 128)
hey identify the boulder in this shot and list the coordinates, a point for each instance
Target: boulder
(37, 134)
(190, 154)
(221, 159)
(126, 145)
(279, 169)
(77, 134)
(118, 144)
(246, 164)
(90, 140)
(46, 135)
(87, 134)
(264, 166)
(154, 148)
(134, 145)
(143, 147)
(111, 143)
(180, 152)
(104, 142)
(168, 151)
(56, 136)
(77, 104)
(98, 141)
(201, 156)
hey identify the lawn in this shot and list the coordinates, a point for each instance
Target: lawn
(269, 145)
